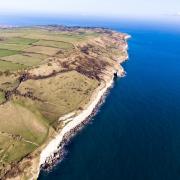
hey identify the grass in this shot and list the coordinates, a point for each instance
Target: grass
(5, 142)
(17, 47)
(17, 150)
(20, 40)
(13, 149)
(28, 59)
(2, 97)
(22, 130)
(61, 94)
(7, 83)
(57, 44)
(30, 35)
(8, 66)
(42, 50)
(6, 52)
(59, 36)
(18, 120)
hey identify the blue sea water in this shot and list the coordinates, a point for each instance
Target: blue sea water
(136, 133)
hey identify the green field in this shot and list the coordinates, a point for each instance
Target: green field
(69, 37)
(7, 83)
(8, 66)
(26, 125)
(42, 50)
(20, 133)
(17, 47)
(6, 52)
(2, 97)
(61, 94)
(20, 40)
(27, 59)
(10, 145)
(57, 44)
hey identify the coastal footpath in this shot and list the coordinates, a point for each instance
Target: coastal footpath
(52, 80)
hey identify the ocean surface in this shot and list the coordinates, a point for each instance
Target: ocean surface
(136, 133)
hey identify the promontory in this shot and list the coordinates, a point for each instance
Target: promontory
(51, 80)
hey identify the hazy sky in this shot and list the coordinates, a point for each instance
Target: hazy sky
(108, 8)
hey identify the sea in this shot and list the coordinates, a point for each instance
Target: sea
(135, 135)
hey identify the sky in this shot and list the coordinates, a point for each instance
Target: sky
(106, 8)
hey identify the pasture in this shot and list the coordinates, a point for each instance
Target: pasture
(61, 94)
(6, 52)
(2, 97)
(9, 66)
(17, 47)
(51, 51)
(27, 59)
(57, 44)
(19, 40)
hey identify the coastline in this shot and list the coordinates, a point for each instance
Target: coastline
(53, 151)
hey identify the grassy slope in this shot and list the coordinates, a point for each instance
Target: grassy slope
(17, 47)
(8, 82)
(61, 94)
(17, 120)
(20, 41)
(9, 146)
(42, 50)
(57, 44)
(5, 66)
(2, 97)
(6, 52)
(27, 59)
(24, 122)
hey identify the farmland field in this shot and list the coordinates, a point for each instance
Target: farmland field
(57, 44)
(6, 52)
(42, 50)
(19, 40)
(28, 59)
(11, 145)
(8, 66)
(2, 97)
(61, 94)
(23, 121)
(17, 47)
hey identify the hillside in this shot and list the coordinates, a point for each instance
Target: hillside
(46, 73)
